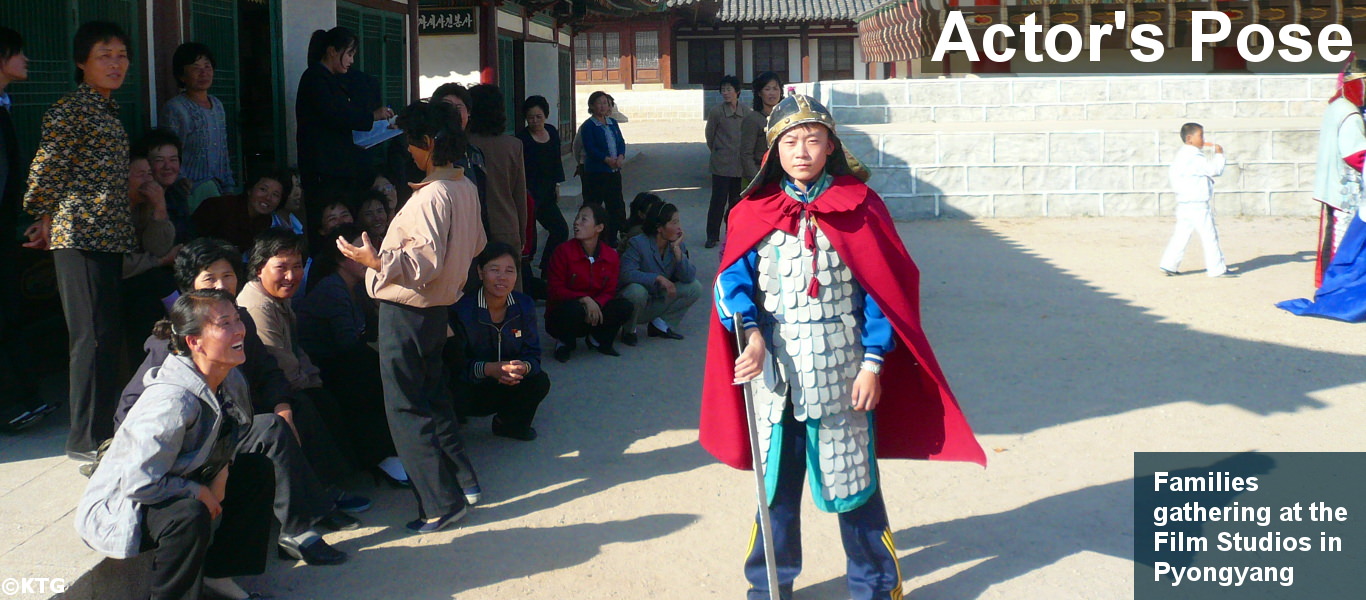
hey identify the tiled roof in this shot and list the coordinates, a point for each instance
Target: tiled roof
(790, 11)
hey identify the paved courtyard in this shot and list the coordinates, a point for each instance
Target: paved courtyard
(1066, 346)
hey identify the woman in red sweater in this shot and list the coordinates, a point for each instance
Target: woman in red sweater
(583, 287)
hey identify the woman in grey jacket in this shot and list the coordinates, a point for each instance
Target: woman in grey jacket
(164, 482)
(657, 275)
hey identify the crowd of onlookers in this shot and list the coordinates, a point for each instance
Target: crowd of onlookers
(241, 344)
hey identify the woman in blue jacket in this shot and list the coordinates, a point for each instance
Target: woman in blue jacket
(604, 152)
(500, 372)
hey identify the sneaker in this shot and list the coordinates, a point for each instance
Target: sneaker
(472, 494)
(352, 504)
(1169, 272)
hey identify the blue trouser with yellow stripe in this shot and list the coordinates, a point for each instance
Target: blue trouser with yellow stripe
(872, 570)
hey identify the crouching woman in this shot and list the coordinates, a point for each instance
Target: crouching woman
(501, 374)
(168, 482)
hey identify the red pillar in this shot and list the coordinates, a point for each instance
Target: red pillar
(805, 41)
(488, 43)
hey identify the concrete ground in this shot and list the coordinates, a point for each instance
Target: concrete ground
(1067, 348)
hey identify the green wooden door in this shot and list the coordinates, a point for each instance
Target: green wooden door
(47, 27)
(383, 48)
(214, 24)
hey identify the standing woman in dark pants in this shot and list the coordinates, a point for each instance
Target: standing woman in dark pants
(417, 273)
(604, 153)
(78, 192)
(327, 111)
(544, 173)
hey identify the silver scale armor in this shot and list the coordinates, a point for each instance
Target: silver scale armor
(814, 355)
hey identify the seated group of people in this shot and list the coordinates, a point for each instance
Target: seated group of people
(598, 293)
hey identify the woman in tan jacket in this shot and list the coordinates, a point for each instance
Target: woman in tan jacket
(417, 273)
(504, 169)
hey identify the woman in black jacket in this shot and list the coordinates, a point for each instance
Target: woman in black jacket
(328, 109)
(500, 371)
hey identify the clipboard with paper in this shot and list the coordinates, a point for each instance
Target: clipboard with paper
(381, 131)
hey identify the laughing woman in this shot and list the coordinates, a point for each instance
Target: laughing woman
(169, 481)
(239, 219)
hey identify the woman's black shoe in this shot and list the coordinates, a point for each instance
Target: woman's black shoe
(317, 552)
(562, 353)
(608, 350)
(525, 434)
(666, 333)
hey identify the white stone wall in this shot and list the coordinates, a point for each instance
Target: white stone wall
(1073, 98)
(1078, 146)
(1078, 172)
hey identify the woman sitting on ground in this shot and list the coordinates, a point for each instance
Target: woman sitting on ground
(276, 270)
(169, 482)
(239, 219)
(501, 373)
(657, 276)
(333, 330)
(371, 211)
(583, 284)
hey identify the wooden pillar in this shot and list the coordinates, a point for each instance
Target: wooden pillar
(739, 53)
(666, 50)
(488, 43)
(414, 83)
(628, 56)
(806, 55)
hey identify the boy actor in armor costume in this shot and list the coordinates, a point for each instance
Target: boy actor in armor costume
(837, 361)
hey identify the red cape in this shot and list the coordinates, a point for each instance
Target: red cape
(917, 416)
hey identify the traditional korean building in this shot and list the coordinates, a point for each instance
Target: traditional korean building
(693, 43)
(904, 33)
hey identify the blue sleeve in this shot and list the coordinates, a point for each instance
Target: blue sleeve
(531, 337)
(735, 293)
(878, 336)
(594, 145)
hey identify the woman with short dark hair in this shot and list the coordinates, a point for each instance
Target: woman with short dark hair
(768, 91)
(416, 274)
(198, 118)
(544, 172)
(604, 153)
(505, 175)
(657, 275)
(240, 218)
(501, 372)
(582, 279)
(78, 193)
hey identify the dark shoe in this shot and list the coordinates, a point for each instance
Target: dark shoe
(423, 526)
(472, 494)
(1169, 272)
(525, 434)
(562, 353)
(670, 334)
(608, 350)
(317, 552)
(352, 504)
(711, 243)
(338, 521)
(630, 338)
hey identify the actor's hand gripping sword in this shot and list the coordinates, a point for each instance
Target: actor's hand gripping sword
(765, 520)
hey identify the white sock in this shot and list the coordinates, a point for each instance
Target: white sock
(393, 468)
(660, 324)
(226, 587)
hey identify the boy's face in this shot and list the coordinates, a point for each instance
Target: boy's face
(803, 150)
(14, 68)
(729, 94)
(1196, 138)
